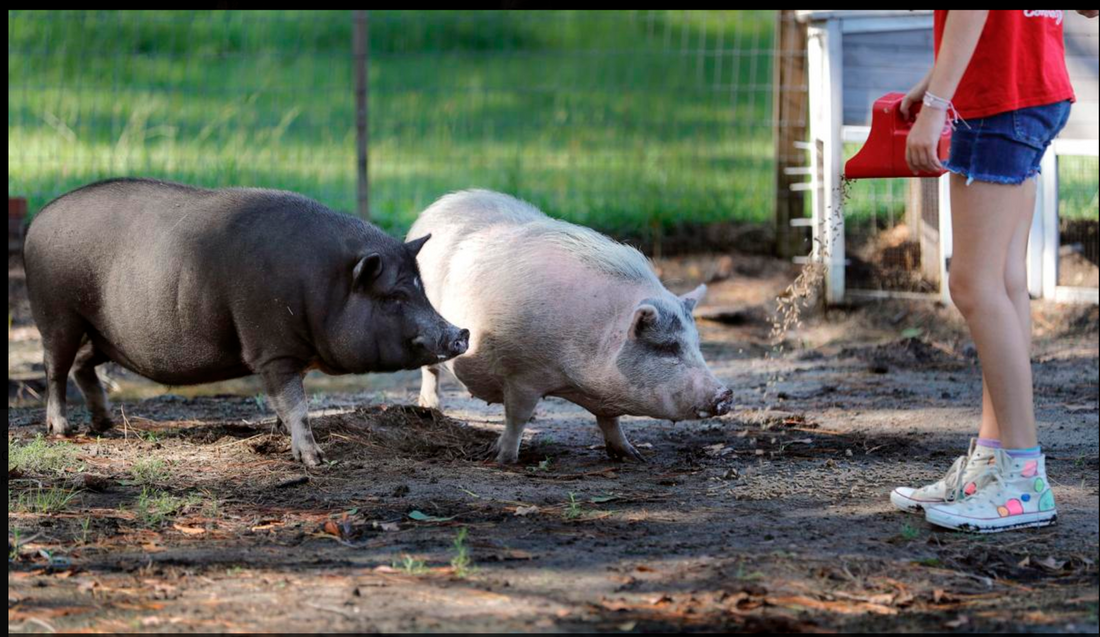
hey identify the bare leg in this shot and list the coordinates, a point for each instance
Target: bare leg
(429, 386)
(985, 218)
(95, 396)
(288, 395)
(1016, 288)
(519, 405)
(618, 447)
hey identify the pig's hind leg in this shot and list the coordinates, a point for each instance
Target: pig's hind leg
(61, 337)
(519, 406)
(618, 447)
(429, 386)
(288, 396)
(95, 396)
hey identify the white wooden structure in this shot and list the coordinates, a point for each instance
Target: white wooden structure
(855, 56)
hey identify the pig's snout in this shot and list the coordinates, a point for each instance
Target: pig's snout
(720, 404)
(454, 342)
(458, 344)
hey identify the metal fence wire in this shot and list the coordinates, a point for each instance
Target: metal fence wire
(629, 121)
(643, 124)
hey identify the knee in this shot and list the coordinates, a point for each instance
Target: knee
(970, 293)
(1016, 283)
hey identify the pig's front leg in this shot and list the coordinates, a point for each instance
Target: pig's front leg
(519, 406)
(289, 399)
(429, 386)
(618, 448)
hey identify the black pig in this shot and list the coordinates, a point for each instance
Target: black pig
(184, 285)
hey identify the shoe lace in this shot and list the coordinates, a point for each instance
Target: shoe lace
(991, 473)
(953, 480)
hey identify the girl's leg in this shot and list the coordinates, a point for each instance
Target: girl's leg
(1015, 275)
(985, 219)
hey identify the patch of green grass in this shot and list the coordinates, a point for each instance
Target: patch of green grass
(150, 471)
(16, 536)
(573, 508)
(742, 574)
(149, 435)
(909, 532)
(542, 466)
(85, 527)
(41, 456)
(43, 500)
(154, 507)
(410, 565)
(627, 121)
(462, 563)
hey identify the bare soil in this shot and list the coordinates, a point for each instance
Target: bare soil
(773, 517)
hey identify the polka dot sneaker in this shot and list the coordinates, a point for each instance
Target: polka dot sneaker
(1012, 493)
(957, 483)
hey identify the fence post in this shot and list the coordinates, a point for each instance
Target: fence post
(789, 105)
(360, 46)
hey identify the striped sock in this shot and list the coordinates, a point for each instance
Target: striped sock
(989, 443)
(1030, 452)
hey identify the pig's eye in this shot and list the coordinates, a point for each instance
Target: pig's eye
(667, 349)
(398, 297)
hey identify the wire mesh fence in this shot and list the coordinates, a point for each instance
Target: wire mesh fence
(629, 121)
(1079, 221)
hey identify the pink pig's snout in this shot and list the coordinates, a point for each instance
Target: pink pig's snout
(720, 404)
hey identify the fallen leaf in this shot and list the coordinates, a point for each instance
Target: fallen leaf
(189, 530)
(424, 517)
(524, 511)
(1050, 564)
(838, 606)
(331, 528)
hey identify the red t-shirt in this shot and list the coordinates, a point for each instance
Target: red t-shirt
(1020, 61)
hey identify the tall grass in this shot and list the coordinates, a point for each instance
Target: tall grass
(621, 120)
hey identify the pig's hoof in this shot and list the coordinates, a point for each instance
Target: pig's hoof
(59, 427)
(101, 424)
(505, 456)
(508, 457)
(623, 452)
(431, 402)
(310, 456)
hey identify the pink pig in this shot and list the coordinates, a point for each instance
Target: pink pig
(556, 309)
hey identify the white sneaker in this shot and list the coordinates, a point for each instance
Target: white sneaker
(1012, 493)
(957, 484)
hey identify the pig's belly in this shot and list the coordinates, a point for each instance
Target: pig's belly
(173, 359)
(475, 374)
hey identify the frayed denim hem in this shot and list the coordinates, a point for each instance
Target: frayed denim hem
(994, 179)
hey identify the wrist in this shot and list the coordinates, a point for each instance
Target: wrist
(936, 102)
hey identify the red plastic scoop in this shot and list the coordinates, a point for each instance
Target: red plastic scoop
(883, 155)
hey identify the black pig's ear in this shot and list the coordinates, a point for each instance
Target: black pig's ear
(366, 271)
(415, 245)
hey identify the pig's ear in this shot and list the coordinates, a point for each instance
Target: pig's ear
(366, 271)
(414, 246)
(691, 299)
(644, 317)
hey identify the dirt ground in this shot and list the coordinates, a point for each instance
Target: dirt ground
(774, 517)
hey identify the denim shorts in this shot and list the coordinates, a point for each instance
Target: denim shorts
(1005, 148)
